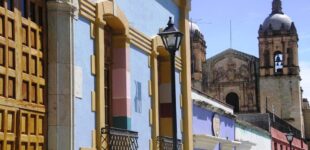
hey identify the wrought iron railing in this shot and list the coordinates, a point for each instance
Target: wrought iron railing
(166, 143)
(118, 139)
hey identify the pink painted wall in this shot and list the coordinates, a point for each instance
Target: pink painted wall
(279, 138)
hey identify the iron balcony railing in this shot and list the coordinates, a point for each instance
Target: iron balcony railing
(166, 143)
(118, 139)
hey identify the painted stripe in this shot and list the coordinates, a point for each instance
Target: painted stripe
(122, 122)
(165, 110)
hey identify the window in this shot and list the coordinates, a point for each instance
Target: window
(138, 97)
(278, 62)
(275, 146)
(233, 100)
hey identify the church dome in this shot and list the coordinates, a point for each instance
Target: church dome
(276, 21)
(193, 27)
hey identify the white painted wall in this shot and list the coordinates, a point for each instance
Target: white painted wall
(252, 138)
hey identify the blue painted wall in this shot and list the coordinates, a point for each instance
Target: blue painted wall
(84, 118)
(140, 74)
(202, 124)
(148, 16)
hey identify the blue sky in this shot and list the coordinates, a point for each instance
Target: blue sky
(213, 17)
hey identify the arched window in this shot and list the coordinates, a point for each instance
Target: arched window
(233, 100)
(278, 62)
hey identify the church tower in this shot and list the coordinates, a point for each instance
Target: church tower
(279, 69)
(198, 55)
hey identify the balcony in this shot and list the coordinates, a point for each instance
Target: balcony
(166, 143)
(118, 139)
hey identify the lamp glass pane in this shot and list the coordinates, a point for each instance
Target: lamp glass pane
(171, 40)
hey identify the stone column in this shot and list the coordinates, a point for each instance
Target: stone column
(60, 74)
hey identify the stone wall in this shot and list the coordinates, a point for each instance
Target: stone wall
(283, 98)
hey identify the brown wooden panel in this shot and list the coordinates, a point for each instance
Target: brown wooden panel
(24, 146)
(2, 85)
(2, 55)
(32, 124)
(25, 90)
(2, 30)
(10, 145)
(40, 40)
(11, 58)
(33, 65)
(1, 145)
(40, 68)
(11, 87)
(34, 93)
(41, 95)
(25, 35)
(25, 62)
(40, 125)
(33, 38)
(2, 121)
(40, 147)
(10, 30)
(32, 146)
(11, 121)
(24, 124)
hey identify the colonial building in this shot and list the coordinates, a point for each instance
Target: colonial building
(258, 85)
(91, 74)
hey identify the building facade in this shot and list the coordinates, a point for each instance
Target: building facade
(98, 71)
(252, 137)
(213, 124)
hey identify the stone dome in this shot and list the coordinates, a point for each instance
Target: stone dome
(276, 21)
(193, 27)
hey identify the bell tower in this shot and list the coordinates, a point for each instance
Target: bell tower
(279, 67)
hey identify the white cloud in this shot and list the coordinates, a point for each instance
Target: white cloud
(305, 76)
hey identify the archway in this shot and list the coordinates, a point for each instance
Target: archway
(233, 100)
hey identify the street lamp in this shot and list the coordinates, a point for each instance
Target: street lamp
(172, 38)
(290, 138)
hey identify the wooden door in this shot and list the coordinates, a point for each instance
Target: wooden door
(22, 75)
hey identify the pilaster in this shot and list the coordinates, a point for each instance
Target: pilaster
(186, 77)
(60, 74)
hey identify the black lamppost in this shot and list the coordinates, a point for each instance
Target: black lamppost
(290, 138)
(172, 38)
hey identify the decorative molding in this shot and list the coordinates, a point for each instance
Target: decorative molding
(63, 6)
(93, 64)
(92, 30)
(93, 101)
(181, 125)
(181, 101)
(140, 40)
(150, 87)
(150, 116)
(88, 10)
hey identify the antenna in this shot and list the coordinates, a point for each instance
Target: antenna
(230, 34)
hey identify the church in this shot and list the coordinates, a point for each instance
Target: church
(269, 83)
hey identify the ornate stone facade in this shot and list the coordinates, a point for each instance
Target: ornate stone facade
(231, 77)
